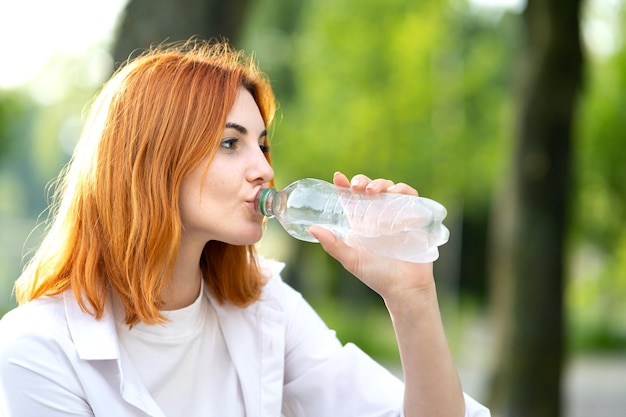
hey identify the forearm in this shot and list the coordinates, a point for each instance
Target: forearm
(432, 386)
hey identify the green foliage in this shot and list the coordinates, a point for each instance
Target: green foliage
(374, 332)
(410, 91)
(598, 287)
(600, 213)
(13, 110)
(416, 92)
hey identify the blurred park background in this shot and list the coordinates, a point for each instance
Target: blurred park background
(511, 113)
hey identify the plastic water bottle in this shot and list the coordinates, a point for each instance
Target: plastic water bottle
(395, 225)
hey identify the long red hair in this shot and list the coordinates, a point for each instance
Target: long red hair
(115, 222)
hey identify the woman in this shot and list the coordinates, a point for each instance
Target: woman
(146, 296)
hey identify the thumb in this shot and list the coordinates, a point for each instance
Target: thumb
(334, 246)
(325, 236)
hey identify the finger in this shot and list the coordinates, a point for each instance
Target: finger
(378, 186)
(359, 182)
(324, 235)
(402, 188)
(340, 180)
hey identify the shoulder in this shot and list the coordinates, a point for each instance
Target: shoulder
(36, 350)
(41, 322)
(276, 291)
(43, 314)
(299, 317)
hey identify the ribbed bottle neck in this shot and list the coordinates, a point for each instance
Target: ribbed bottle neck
(263, 201)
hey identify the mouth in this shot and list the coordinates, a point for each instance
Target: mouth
(254, 201)
(252, 205)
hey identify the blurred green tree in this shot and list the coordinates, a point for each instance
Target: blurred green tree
(530, 225)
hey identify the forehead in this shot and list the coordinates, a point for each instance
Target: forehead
(245, 111)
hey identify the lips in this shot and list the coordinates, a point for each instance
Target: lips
(252, 205)
(253, 201)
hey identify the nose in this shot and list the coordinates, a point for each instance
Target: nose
(261, 170)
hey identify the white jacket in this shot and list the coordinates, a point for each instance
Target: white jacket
(56, 360)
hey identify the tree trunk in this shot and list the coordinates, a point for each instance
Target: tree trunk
(147, 22)
(530, 224)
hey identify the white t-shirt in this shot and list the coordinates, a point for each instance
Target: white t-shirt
(184, 362)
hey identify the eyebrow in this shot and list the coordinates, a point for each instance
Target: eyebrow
(239, 128)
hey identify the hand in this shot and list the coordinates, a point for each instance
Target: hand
(390, 278)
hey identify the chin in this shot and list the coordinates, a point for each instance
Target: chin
(248, 238)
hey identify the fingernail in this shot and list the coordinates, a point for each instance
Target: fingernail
(355, 182)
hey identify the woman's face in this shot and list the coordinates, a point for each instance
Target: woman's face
(220, 204)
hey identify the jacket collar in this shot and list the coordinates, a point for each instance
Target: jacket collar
(96, 340)
(93, 339)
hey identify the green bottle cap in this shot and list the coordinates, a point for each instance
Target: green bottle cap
(262, 198)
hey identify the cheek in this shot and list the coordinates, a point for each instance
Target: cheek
(187, 205)
(198, 197)
(190, 195)
(203, 190)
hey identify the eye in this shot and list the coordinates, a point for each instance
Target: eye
(229, 143)
(264, 148)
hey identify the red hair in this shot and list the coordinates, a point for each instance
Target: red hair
(116, 221)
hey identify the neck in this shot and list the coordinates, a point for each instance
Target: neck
(184, 286)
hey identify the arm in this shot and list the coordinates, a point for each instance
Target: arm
(432, 385)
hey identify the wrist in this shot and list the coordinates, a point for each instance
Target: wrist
(414, 302)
